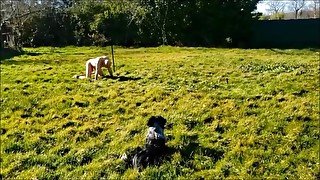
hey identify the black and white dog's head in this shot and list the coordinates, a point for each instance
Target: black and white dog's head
(155, 136)
(157, 120)
(154, 148)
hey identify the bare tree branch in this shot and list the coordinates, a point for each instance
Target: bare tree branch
(275, 6)
(296, 6)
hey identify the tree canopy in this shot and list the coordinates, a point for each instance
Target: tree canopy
(131, 22)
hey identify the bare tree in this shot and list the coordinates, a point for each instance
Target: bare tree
(296, 6)
(315, 8)
(14, 13)
(1, 17)
(275, 6)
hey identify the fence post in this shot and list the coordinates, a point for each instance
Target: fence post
(114, 67)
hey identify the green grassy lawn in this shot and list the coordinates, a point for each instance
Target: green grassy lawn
(232, 113)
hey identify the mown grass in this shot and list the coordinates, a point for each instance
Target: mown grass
(232, 113)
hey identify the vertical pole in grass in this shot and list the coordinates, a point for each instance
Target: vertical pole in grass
(114, 68)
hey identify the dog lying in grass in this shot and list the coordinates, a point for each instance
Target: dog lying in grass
(154, 148)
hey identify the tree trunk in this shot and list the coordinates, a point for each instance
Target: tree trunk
(1, 39)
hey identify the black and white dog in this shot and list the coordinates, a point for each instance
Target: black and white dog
(154, 148)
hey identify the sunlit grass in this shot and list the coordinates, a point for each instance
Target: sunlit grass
(234, 113)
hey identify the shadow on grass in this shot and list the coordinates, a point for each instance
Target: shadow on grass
(20, 62)
(8, 53)
(190, 147)
(122, 78)
(282, 50)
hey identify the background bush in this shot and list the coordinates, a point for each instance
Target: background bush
(141, 23)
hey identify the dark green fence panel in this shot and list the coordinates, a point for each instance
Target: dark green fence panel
(301, 33)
